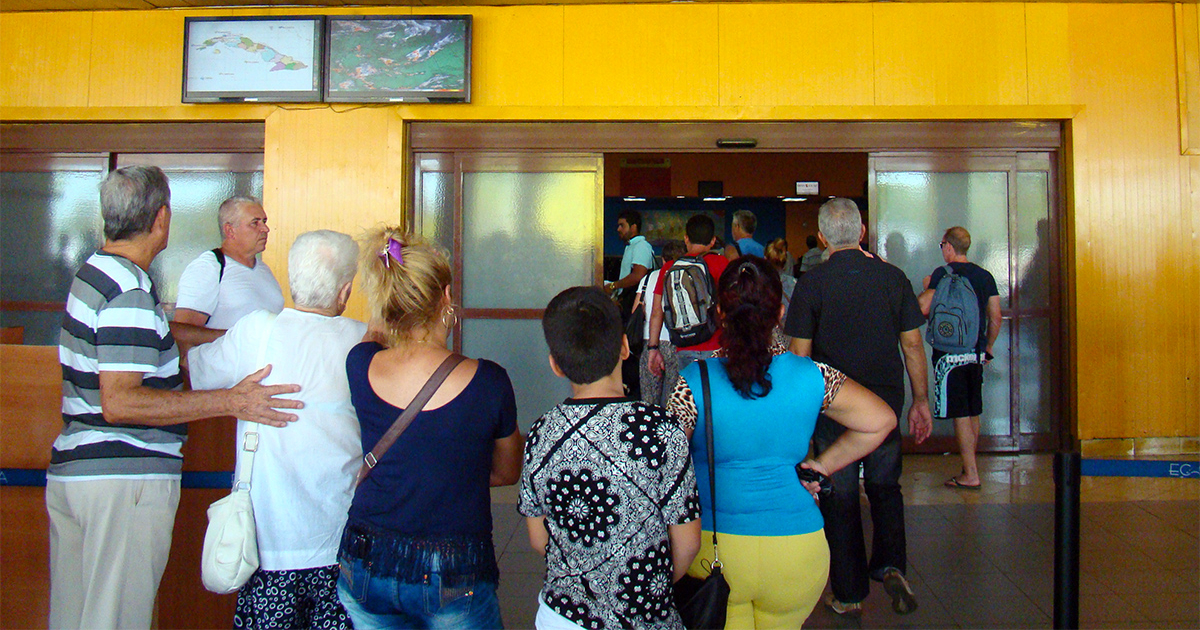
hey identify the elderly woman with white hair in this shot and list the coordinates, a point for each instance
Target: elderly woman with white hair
(302, 474)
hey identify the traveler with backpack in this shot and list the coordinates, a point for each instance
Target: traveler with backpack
(225, 284)
(685, 299)
(963, 306)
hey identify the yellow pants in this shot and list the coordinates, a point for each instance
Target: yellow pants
(774, 581)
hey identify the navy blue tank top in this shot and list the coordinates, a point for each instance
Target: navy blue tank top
(433, 481)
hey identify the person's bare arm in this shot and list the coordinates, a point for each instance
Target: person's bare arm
(636, 273)
(189, 316)
(538, 536)
(994, 321)
(655, 361)
(925, 300)
(126, 401)
(920, 418)
(868, 421)
(506, 459)
(188, 335)
(685, 544)
(801, 347)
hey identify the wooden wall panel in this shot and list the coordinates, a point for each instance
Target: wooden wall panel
(45, 59)
(30, 405)
(147, 68)
(530, 72)
(950, 54)
(1187, 59)
(1132, 260)
(1048, 58)
(656, 55)
(331, 170)
(769, 58)
(24, 545)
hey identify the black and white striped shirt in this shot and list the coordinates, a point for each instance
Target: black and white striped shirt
(113, 323)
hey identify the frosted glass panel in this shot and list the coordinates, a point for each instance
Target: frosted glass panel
(1034, 362)
(916, 208)
(519, 346)
(51, 224)
(526, 236)
(1032, 247)
(195, 196)
(437, 209)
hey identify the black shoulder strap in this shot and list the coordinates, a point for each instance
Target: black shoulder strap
(408, 415)
(708, 438)
(220, 261)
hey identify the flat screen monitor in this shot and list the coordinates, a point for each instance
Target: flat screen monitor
(404, 59)
(249, 59)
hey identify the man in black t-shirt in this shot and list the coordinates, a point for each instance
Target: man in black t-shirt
(855, 313)
(958, 377)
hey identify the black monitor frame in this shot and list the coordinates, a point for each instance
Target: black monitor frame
(335, 94)
(191, 94)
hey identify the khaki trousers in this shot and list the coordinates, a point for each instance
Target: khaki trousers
(109, 542)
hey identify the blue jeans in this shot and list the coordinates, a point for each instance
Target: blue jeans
(385, 602)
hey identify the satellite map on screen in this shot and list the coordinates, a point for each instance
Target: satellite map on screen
(397, 55)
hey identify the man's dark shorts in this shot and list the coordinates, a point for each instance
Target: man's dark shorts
(963, 388)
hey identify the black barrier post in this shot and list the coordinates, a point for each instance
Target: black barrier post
(1066, 540)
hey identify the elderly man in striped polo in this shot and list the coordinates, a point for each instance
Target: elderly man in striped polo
(113, 482)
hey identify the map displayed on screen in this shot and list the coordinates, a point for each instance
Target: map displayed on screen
(252, 56)
(410, 55)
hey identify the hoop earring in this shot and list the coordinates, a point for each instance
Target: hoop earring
(450, 314)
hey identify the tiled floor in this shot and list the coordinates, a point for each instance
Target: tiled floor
(985, 559)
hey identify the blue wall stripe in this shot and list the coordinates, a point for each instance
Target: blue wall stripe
(1139, 468)
(35, 478)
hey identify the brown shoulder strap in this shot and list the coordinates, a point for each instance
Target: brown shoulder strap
(406, 417)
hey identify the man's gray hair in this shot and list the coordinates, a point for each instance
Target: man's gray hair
(320, 263)
(228, 211)
(840, 221)
(746, 220)
(130, 199)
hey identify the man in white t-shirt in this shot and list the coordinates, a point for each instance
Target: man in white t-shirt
(303, 475)
(219, 287)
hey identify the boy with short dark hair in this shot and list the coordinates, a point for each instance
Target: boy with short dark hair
(607, 489)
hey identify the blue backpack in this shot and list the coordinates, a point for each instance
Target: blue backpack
(954, 317)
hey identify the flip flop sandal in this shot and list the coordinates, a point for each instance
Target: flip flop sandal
(953, 482)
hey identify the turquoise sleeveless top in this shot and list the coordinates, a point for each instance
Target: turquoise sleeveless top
(757, 444)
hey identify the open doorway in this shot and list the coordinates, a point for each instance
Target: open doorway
(912, 181)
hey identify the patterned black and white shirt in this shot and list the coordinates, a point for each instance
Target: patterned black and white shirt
(610, 476)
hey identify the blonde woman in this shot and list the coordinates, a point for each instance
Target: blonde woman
(417, 550)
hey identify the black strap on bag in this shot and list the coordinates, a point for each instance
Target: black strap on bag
(702, 603)
(220, 255)
(406, 417)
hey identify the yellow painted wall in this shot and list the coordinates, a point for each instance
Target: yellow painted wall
(1133, 199)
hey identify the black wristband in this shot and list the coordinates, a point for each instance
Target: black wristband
(654, 347)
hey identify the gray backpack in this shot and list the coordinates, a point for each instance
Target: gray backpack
(954, 315)
(689, 302)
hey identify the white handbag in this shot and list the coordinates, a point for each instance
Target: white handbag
(230, 554)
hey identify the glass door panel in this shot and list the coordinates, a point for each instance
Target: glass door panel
(529, 225)
(519, 228)
(1004, 201)
(50, 212)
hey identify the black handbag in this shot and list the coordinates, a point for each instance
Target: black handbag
(702, 602)
(635, 328)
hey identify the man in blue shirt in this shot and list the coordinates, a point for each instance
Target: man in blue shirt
(638, 258)
(744, 224)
